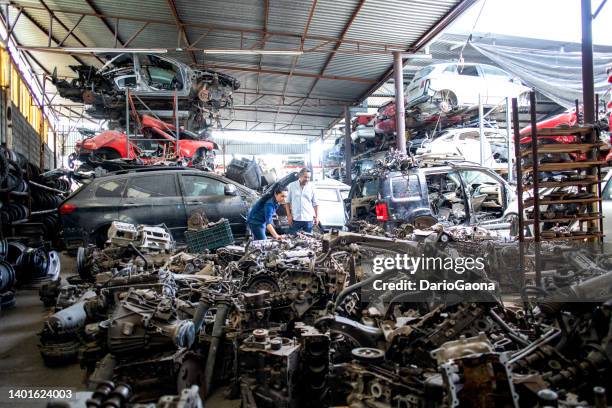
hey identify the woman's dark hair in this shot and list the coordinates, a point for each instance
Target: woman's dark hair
(279, 189)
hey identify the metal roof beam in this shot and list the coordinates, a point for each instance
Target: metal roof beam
(215, 27)
(296, 58)
(279, 95)
(277, 72)
(136, 34)
(336, 47)
(180, 28)
(421, 42)
(316, 115)
(102, 17)
(265, 37)
(50, 35)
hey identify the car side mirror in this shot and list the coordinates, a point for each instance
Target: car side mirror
(230, 190)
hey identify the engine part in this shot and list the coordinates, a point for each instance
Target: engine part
(273, 358)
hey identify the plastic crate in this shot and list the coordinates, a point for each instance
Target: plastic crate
(213, 237)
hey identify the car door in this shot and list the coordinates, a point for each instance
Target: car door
(363, 199)
(330, 211)
(160, 77)
(206, 193)
(470, 84)
(486, 194)
(154, 199)
(499, 84)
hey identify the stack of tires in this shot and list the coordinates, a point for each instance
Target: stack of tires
(29, 197)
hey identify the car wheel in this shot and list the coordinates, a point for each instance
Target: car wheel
(101, 236)
(446, 100)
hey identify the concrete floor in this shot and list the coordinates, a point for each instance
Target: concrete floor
(20, 361)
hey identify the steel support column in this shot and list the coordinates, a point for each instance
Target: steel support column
(588, 86)
(400, 110)
(509, 141)
(322, 158)
(481, 130)
(347, 145)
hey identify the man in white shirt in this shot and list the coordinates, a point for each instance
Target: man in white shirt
(301, 204)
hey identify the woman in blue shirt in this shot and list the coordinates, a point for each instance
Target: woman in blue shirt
(260, 216)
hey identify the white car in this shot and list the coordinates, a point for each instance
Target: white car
(444, 87)
(464, 143)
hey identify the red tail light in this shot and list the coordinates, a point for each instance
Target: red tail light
(382, 212)
(66, 209)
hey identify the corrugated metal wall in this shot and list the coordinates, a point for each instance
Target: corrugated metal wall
(26, 140)
(256, 149)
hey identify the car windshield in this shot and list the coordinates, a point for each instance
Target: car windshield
(327, 194)
(425, 71)
(495, 72)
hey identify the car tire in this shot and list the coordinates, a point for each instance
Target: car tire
(446, 100)
(100, 236)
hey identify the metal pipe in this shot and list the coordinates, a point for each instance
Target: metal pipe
(535, 173)
(481, 130)
(347, 145)
(509, 140)
(322, 158)
(176, 121)
(588, 86)
(400, 110)
(519, 173)
(127, 123)
(217, 333)
(198, 318)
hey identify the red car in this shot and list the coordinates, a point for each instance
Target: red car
(157, 143)
(384, 123)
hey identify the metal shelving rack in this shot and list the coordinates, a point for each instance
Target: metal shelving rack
(582, 174)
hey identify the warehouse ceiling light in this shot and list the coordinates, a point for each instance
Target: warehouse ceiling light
(252, 52)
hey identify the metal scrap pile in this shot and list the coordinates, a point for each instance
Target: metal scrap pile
(296, 323)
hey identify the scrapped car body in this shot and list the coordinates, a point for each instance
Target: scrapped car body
(154, 79)
(158, 142)
(464, 143)
(445, 87)
(330, 197)
(384, 123)
(152, 196)
(456, 194)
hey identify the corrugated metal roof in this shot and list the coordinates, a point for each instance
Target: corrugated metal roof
(328, 69)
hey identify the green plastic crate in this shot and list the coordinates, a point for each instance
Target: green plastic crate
(216, 236)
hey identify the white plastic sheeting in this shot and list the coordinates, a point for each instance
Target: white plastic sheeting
(556, 74)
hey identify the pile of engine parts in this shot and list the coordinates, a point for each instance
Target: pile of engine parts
(297, 323)
(29, 198)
